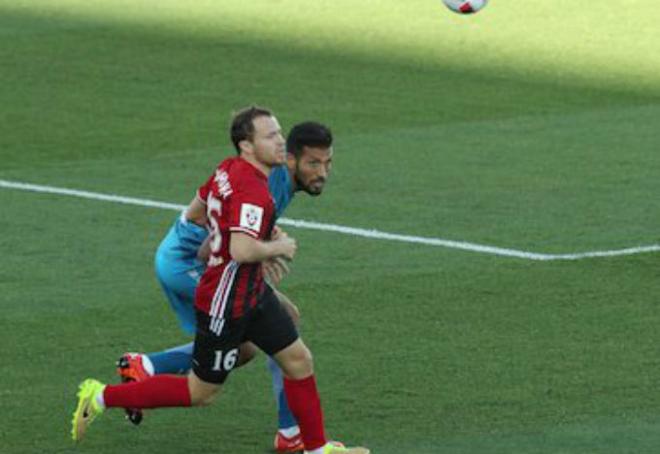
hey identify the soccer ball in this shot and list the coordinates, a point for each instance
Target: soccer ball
(465, 6)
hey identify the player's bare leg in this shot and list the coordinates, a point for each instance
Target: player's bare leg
(201, 393)
(295, 361)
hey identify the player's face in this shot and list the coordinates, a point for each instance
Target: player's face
(313, 169)
(268, 142)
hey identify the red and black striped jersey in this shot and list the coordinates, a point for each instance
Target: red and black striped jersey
(237, 200)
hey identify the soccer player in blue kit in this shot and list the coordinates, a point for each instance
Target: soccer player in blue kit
(181, 261)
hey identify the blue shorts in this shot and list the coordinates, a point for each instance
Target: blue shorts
(178, 270)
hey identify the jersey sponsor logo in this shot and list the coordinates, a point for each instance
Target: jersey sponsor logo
(251, 217)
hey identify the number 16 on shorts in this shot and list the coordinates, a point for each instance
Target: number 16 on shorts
(225, 361)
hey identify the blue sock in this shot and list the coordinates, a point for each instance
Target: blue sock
(285, 418)
(177, 360)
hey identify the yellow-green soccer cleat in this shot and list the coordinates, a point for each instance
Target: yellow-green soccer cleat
(88, 408)
(331, 448)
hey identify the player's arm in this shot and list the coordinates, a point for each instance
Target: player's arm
(196, 211)
(277, 267)
(247, 249)
(204, 251)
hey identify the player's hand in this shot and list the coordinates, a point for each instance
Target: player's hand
(204, 250)
(275, 269)
(286, 247)
(277, 233)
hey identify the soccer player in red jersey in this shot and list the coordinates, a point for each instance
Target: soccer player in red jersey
(234, 304)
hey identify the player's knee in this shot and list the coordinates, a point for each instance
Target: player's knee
(208, 400)
(306, 357)
(300, 364)
(201, 393)
(203, 397)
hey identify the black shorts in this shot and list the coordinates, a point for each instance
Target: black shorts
(268, 325)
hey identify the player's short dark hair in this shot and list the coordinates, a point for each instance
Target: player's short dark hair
(308, 134)
(242, 124)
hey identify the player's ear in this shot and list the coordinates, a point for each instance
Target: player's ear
(245, 146)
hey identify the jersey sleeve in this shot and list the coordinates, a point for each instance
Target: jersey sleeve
(251, 213)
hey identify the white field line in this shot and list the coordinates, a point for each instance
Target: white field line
(365, 233)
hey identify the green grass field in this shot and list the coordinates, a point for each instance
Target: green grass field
(532, 125)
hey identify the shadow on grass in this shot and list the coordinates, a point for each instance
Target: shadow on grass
(75, 89)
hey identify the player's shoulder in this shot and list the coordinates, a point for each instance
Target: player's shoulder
(233, 168)
(243, 176)
(239, 168)
(229, 165)
(235, 177)
(221, 182)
